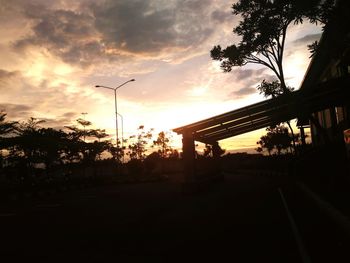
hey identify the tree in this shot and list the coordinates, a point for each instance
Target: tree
(137, 148)
(273, 88)
(99, 134)
(91, 150)
(85, 124)
(5, 127)
(27, 144)
(209, 150)
(263, 30)
(162, 142)
(277, 138)
(6, 130)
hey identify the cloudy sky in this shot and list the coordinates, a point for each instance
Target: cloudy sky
(53, 53)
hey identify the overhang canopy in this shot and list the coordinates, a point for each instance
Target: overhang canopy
(298, 104)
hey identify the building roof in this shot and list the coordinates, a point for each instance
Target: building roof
(333, 45)
(298, 104)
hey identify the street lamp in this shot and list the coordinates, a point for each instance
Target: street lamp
(115, 105)
(121, 118)
(84, 113)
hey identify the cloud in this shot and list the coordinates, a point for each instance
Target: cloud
(70, 115)
(299, 45)
(247, 80)
(152, 27)
(15, 111)
(243, 74)
(64, 33)
(60, 122)
(307, 39)
(7, 76)
(244, 92)
(221, 16)
(119, 31)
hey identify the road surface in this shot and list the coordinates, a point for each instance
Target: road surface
(244, 219)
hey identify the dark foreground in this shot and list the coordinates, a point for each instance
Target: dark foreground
(243, 219)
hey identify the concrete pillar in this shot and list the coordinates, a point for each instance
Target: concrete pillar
(302, 135)
(188, 155)
(334, 129)
(216, 150)
(216, 157)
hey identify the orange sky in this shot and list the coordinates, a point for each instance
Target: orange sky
(54, 53)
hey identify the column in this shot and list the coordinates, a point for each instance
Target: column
(188, 155)
(302, 135)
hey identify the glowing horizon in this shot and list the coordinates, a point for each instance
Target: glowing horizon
(53, 59)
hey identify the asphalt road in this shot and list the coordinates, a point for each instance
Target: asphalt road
(244, 219)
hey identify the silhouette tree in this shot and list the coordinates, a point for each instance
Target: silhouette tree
(51, 148)
(85, 124)
(6, 130)
(272, 88)
(28, 139)
(277, 138)
(5, 127)
(137, 148)
(88, 151)
(208, 151)
(99, 134)
(162, 142)
(174, 154)
(263, 29)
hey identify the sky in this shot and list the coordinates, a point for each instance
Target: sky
(54, 52)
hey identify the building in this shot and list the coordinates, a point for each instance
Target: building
(330, 68)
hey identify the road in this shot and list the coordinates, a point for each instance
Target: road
(244, 219)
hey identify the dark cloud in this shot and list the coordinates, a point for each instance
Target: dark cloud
(308, 39)
(221, 16)
(245, 74)
(147, 27)
(60, 122)
(67, 34)
(7, 76)
(117, 29)
(249, 78)
(70, 115)
(16, 111)
(243, 92)
(56, 123)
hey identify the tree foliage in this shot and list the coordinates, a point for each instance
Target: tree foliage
(139, 143)
(263, 31)
(273, 88)
(277, 139)
(162, 142)
(29, 144)
(208, 150)
(5, 127)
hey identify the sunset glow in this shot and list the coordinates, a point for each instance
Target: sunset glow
(53, 58)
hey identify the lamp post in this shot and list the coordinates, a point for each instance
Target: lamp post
(115, 105)
(84, 113)
(121, 118)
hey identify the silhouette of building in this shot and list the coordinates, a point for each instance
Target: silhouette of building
(330, 69)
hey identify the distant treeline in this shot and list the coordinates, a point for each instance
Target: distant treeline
(31, 154)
